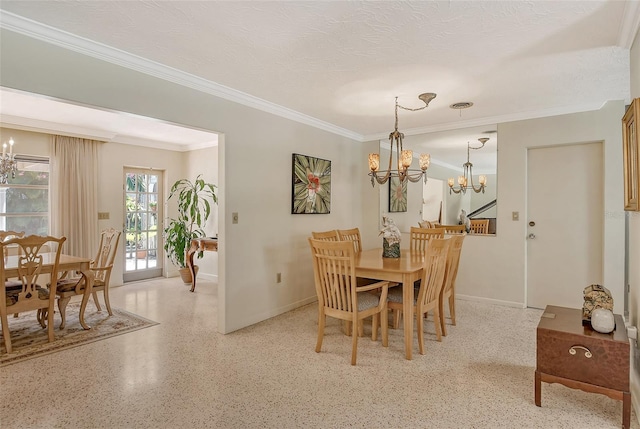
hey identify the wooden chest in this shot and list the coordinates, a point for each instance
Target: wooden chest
(581, 358)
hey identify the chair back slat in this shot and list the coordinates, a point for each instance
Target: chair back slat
(109, 239)
(454, 229)
(419, 237)
(352, 235)
(331, 235)
(479, 226)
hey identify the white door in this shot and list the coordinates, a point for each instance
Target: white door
(565, 210)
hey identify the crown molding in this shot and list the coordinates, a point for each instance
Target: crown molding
(492, 120)
(46, 127)
(135, 141)
(630, 24)
(39, 126)
(48, 34)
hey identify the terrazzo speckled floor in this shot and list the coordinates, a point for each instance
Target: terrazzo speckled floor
(181, 373)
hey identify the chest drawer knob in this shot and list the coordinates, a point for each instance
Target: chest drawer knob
(587, 352)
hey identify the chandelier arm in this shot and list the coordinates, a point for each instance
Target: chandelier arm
(383, 180)
(401, 171)
(480, 187)
(426, 99)
(412, 110)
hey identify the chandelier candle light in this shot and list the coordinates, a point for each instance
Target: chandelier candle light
(8, 164)
(404, 157)
(466, 180)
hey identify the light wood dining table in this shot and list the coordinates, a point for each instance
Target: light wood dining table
(66, 263)
(405, 269)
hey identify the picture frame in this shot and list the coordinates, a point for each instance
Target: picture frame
(631, 156)
(310, 185)
(397, 195)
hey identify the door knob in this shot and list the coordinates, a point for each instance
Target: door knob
(531, 236)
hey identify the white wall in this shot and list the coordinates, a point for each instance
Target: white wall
(254, 171)
(205, 162)
(494, 268)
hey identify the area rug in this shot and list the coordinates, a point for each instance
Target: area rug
(29, 339)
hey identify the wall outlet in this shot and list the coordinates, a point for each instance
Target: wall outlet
(103, 215)
(278, 277)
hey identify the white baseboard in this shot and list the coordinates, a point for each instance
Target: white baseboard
(491, 301)
(210, 277)
(257, 318)
(200, 275)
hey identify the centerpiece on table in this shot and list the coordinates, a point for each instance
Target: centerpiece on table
(390, 238)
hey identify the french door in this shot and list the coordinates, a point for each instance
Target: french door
(142, 224)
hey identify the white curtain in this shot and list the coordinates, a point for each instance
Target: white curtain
(73, 191)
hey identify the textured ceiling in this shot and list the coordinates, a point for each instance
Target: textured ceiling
(344, 62)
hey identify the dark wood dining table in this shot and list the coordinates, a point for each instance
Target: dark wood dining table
(406, 270)
(66, 263)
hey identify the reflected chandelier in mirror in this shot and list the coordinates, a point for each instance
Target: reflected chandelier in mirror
(466, 180)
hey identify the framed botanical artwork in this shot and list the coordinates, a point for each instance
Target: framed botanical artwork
(397, 195)
(631, 153)
(311, 185)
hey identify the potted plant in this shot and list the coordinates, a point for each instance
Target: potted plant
(194, 208)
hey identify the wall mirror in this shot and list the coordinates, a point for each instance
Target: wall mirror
(434, 200)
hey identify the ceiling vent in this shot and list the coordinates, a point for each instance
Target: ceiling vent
(461, 105)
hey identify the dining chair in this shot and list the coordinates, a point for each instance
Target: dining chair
(340, 297)
(7, 235)
(418, 242)
(430, 286)
(419, 237)
(479, 226)
(429, 224)
(4, 236)
(331, 235)
(30, 262)
(454, 229)
(449, 283)
(352, 235)
(101, 267)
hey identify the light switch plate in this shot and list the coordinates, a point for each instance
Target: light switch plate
(234, 217)
(515, 215)
(103, 215)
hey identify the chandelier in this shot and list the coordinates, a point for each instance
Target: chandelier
(8, 164)
(466, 180)
(404, 156)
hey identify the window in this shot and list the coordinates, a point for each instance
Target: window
(24, 200)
